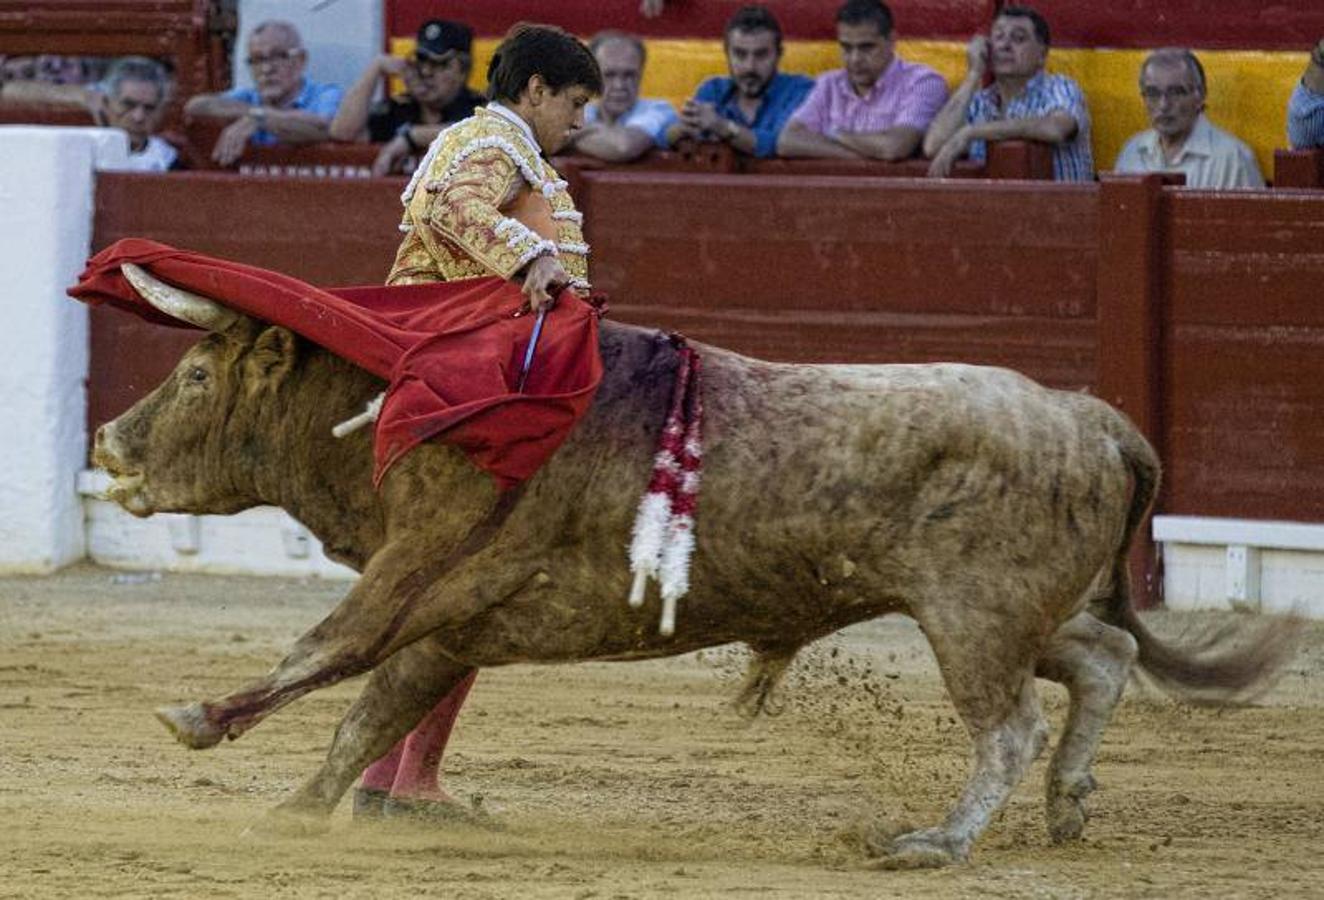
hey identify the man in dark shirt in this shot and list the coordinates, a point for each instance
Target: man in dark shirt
(436, 95)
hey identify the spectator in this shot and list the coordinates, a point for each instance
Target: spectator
(1182, 138)
(622, 126)
(436, 94)
(878, 106)
(749, 109)
(1305, 111)
(132, 98)
(18, 68)
(50, 69)
(1024, 102)
(285, 107)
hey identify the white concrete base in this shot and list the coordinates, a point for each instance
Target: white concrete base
(1242, 564)
(1274, 567)
(263, 541)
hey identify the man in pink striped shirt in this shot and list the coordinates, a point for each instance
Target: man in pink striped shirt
(877, 106)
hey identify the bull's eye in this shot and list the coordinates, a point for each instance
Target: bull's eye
(196, 375)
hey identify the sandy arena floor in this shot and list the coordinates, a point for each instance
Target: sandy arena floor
(612, 780)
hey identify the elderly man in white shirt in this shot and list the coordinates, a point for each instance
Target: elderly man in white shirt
(1182, 138)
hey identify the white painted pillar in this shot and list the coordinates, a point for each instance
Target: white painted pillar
(46, 201)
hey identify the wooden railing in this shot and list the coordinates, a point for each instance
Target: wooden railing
(1298, 168)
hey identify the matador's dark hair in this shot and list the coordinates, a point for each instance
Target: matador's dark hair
(528, 50)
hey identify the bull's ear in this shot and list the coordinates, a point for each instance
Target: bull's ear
(271, 358)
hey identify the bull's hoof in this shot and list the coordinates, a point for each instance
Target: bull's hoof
(369, 804)
(288, 822)
(931, 848)
(190, 726)
(438, 812)
(1066, 810)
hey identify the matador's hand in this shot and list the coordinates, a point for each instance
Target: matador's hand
(543, 280)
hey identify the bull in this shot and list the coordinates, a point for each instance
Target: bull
(995, 512)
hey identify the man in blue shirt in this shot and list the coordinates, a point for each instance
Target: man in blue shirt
(622, 126)
(285, 107)
(749, 109)
(1305, 111)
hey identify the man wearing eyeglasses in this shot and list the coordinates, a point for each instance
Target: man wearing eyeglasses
(436, 94)
(283, 108)
(131, 98)
(1182, 139)
(1023, 103)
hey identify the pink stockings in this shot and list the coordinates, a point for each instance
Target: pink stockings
(409, 770)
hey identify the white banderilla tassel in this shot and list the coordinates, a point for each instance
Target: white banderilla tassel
(650, 530)
(367, 417)
(674, 571)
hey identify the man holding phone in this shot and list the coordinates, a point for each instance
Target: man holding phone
(1023, 103)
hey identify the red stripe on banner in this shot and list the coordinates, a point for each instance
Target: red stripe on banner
(1288, 25)
(800, 19)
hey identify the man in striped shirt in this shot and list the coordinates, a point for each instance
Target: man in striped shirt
(1024, 102)
(1305, 111)
(877, 106)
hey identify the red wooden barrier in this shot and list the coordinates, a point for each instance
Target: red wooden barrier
(1298, 168)
(1243, 354)
(854, 270)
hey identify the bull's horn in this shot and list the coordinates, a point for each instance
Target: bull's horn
(192, 308)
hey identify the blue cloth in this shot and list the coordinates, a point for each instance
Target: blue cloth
(653, 117)
(321, 99)
(784, 95)
(1305, 118)
(1073, 160)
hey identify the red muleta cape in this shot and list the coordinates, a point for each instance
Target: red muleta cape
(452, 352)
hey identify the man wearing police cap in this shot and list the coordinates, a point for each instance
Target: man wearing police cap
(436, 94)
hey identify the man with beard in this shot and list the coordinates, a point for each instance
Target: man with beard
(1024, 103)
(749, 109)
(283, 108)
(623, 126)
(1182, 138)
(877, 106)
(436, 95)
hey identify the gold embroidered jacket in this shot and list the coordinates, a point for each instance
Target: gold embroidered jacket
(484, 202)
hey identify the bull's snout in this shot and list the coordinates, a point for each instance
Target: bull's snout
(128, 487)
(103, 452)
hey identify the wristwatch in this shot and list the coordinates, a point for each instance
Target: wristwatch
(259, 114)
(732, 130)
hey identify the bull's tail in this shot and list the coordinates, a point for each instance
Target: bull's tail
(1230, 663)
